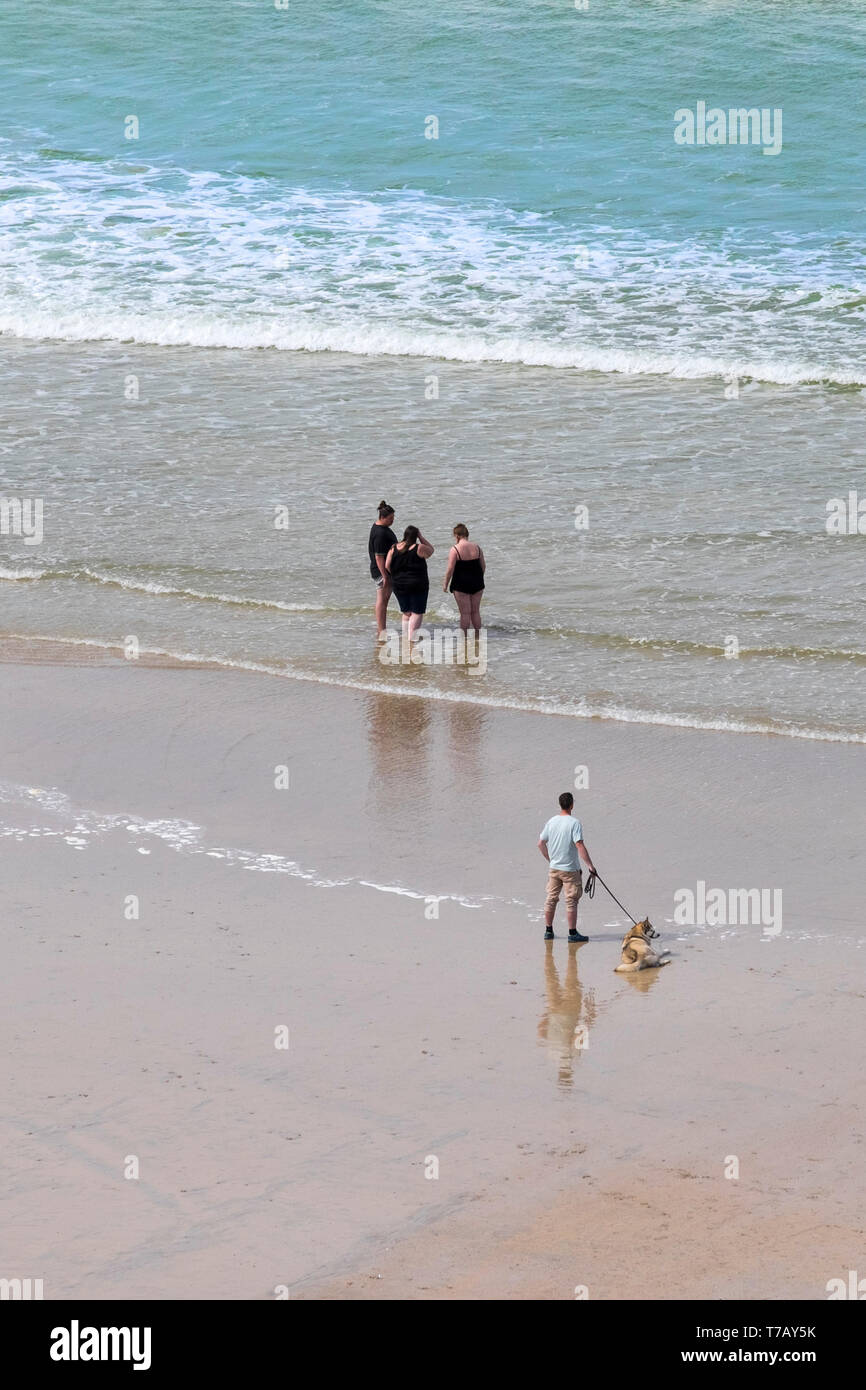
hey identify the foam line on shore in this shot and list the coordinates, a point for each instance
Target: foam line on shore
(80, 826)
(361, 338)
(529, 706)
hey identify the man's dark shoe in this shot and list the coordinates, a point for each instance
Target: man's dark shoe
(576, 936)
(548, 933)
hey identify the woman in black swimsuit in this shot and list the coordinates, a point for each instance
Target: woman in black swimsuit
(465, 577)
(407, 565)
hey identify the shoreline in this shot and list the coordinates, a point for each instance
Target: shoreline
(636, 616)
(19, 647)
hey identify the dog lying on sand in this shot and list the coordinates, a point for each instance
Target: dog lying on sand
(637, 953)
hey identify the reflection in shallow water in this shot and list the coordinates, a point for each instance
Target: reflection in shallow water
(565, 1024)
(466, 727)
(642, 980)
(399, 736)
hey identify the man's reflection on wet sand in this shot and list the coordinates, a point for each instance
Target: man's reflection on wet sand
(569, 1016)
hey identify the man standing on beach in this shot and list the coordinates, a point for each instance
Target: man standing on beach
(380, 542)
(561, 843)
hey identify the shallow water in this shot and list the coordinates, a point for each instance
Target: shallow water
(706, 523)
(280, 194)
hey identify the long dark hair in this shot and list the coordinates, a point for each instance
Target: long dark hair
(385, 509)
(410, 535)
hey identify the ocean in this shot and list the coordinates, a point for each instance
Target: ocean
(257, 258)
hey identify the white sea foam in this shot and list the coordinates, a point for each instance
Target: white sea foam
(222, 261)
(369, 339)
(146, 586)
(572, 710)
(17, 576)
(79, 827)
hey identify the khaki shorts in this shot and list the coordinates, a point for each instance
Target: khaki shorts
(569, 879)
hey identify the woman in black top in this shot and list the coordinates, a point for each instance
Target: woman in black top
(380, 542)
(407, 566)
(465, 577)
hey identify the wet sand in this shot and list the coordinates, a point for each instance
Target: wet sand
(412, 1036)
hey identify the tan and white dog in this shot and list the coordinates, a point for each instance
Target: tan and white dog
(637, 953)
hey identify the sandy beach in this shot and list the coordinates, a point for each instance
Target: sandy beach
(293, 299)
(385, 909)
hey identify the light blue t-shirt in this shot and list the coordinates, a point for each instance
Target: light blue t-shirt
(561, 835)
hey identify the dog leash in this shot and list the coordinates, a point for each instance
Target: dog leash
(589, 890)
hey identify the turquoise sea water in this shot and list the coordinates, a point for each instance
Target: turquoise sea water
(551, 304)
(281, 189)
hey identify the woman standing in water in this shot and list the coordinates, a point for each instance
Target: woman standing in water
(381, 540)
(407, 566)
(465, 576)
